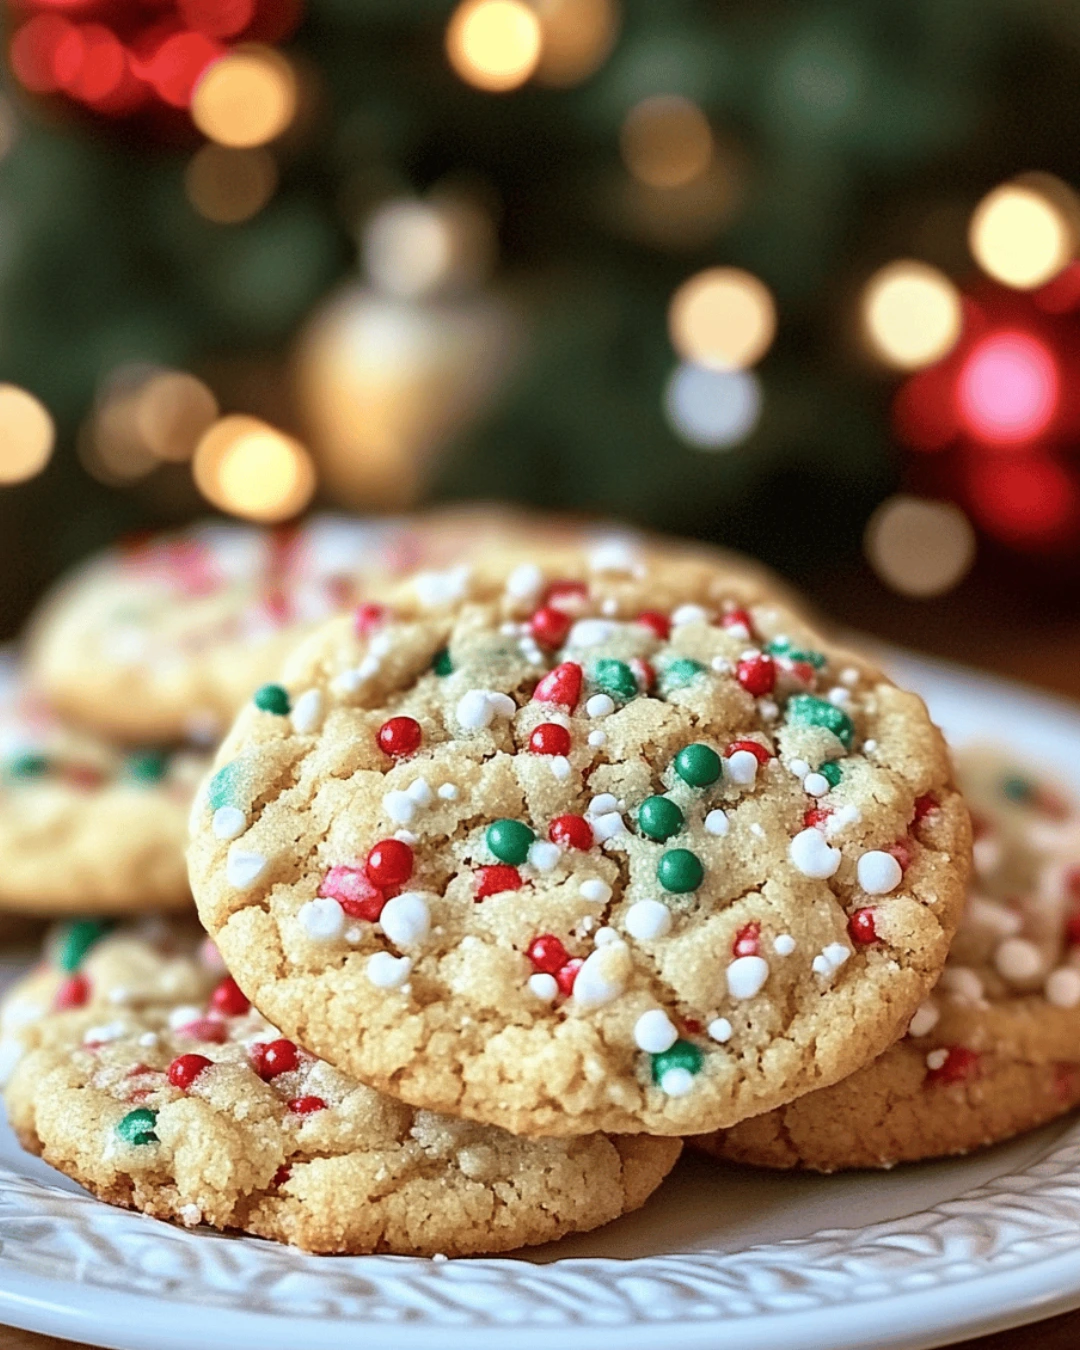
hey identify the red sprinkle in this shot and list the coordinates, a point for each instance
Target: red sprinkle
(960, 1063)
(816, 817)
(760, 753)
(354, 892)
(561, 685)
(210, 1029)
(306, 1106)
(571, 832)
(644, 674)
(565, 977)
(902, 852)
(924, 805)
(229, 999)
(566, 595)
(550, 739)
(747, 940)
(498, 877)
(72, 993)
(803, 671)
(184, 1069)
(737, 618)
(659, 623)
(400, 736)
(693, 1026)
(549, 626)
(861, 927)
(757, 674)
(547, 954)
(367, 618)
(389, 863)
(269, 1058)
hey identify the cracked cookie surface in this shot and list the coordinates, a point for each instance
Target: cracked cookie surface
(580, 844)
(994, 1050)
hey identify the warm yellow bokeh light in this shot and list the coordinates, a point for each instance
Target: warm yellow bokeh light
(576, 38)
(1020, 237)
(494, 44)
(911, 314)
(172, 411)
(228, 186)
(919, 548)
(27, 434)
(666, 141)
(722, 318)
(252, 470)
(246, 98)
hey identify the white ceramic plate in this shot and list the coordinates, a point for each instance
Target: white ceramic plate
(917, 1257)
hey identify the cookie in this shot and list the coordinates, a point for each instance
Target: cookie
(996, 1049)
(88, 827)
(226, 1123)
(581, 846)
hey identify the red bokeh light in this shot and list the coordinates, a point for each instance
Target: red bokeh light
(34, 51)
(1008, 388)
(1028, 500)
(217, 18)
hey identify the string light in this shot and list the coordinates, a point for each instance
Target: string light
(407, 247)
(1025, 500)
(576, 38)
(246, 98)
(919, 548)
(666, 141)
(911, 314)
(172, 411)
(1008, 388)
(228, 186)
(723, 318)
(27, 434)
(252, 470)
(1020, 237)
(494, 45)
(712, 409)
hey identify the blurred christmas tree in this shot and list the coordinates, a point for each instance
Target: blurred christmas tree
(620, 258)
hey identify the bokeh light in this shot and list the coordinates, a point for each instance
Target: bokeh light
(251, 469)
(27, 434)
(1008, 388)
(246, 98)
(1025, 501)
(494, 45)
(228, 186)
(175, 66)
(1020, 236)
(911, 314)
(407, 247)
(172, 411)
(723, 318)
(666, 141)
(576, 38)
(919, 548)
(217, 18)
(712, 409)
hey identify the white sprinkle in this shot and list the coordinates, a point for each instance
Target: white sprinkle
(783, 944)
(654, 1032)
(647, 919)
(369, 666)
(840, 820)
(599, 705)
(721, 665)
(688, 614)
(530, 649)
(1018, 959)
(587, 924)
(746, 975)
(840, 698)
(799, 768)
(406, 919)
(717, 823)
(244, 869)
(879, 872)
(831, 959)
(610, 606)
(502, 704)
(925, 1020)
(110, 1031)
(386, 971)
(544, 987)
(603, 937)
(591, 632)
(448, 792)
(399, 806)
(720, 1030)
(595, 890)
(812, 856)
(849, 676)
(1063, 987)
(676, 1082)
(757, 830)
(118, 994)
(475, 710)
(768, 709)
(420, 792)
(869, 747)
(607, 826)
(508, 629)
(348, 682)
(543, 855)
(149, 1039)
(441, 588)
(322, 920)
(603, 975)
(184, 1015)
(380, 644)
(936, 1059)
(962, 983)
(604, 801)
(524, 581)
(228, 822)
(597, 739)
(613, 555)
(560, 768)
(741, 767)
(815, 784)
(307, 711)
(354, 934)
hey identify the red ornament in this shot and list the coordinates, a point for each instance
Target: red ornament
(547, 954)
(861, 927)
(757, 674)
(747, 940)
(571, 832)
(738, 619)
(550, 739)
(561, 685)
(659, 623)
(210, 1029)
(496, 878)
(269, 1058)
(184, 1069)
(565, 977)
(389, 863)
(72, 993)
(354, 892)
(367, 618)
(229, 999)
(549, 626)
(960, 1063)
(759, 751)
(306, 1106)
(400, 736)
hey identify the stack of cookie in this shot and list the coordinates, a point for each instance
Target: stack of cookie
(519, 870)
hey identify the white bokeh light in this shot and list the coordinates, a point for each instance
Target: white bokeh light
(712, 409)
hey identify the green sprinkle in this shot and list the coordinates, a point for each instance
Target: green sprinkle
(272, 698)
(698, 765)
(782, 647)
(137, 1127)
(441, 663)
(75, 939)
(660, 818)
(679, 871)
(678, 674)
(1018, 789)
(224, 786)
(509, 840)
(830, 771)
(147, 766)
(682, 1055)
(615, 678)
(778, 646)
(27, 765)
(804, 710)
